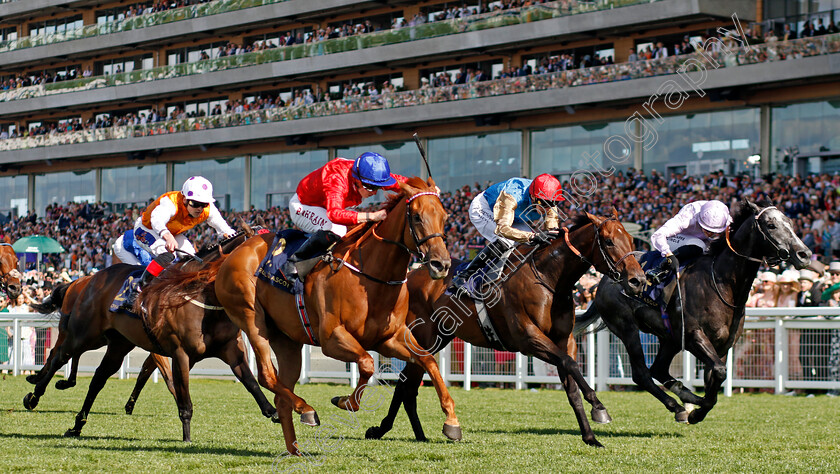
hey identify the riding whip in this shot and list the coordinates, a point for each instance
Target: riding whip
(422, 153)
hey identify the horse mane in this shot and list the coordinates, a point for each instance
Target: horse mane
(740, 213)
(578, 221)
(176, 285)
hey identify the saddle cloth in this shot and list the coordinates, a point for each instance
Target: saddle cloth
(489, 273)
(129, 286)
(285, 244)
(652, 295)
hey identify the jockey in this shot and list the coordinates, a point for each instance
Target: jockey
(502, 214)
(687, 235)
(319, 207)
(162, 225)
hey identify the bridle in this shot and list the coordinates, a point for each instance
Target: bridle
(781, 253)
(13, 273)
(612, 267)
(414, 236)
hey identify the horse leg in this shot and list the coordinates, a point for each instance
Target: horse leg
(118, 348)
(288, 373)
(599, 412)
(63, 355)
(70, 381)
(344, 347)
(701, 347)
(142, 378)
(181, 381)
(234, 355)
(404, 393)
(398, 346)
(661, 371)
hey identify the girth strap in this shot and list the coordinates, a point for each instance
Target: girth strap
(304, 319)
(486, 326)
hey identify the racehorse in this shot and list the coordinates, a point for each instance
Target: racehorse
(357, 302)
(184, 322)
(714, 289)
(9, 274)
(534, 313)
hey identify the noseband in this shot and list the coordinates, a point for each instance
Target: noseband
(612, 267)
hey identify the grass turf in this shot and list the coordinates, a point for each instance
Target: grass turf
(504, 430)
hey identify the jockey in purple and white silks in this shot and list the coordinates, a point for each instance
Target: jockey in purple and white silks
(687, 235)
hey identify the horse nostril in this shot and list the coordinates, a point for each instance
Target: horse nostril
(803, 255)
(437, 265)
(635, 282)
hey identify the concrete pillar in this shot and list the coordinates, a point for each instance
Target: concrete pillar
(411, 79)
(525, 169)
(247, 198)
(622, 49)
(765, 139)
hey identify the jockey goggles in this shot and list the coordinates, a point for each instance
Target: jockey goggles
(197, 204)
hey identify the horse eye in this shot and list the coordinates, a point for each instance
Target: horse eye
(771, 226)
(609, 242)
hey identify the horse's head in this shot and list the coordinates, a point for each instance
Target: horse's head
(779, 241)
(9, 274)
(614, 253)
(425, 218)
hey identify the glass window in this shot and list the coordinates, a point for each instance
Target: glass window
(460, 161)
(61, 188)
(705, 142)
(274, 178)
(805, 128)
(133, 185)
(564, 150)
(13, 195)
(227, 176)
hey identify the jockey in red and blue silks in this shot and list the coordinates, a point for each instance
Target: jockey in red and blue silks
(320, 204)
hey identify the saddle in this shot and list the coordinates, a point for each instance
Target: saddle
(286, 243)
(124, 301)
(490, 272)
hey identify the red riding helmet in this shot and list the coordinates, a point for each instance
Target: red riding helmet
(546, 188)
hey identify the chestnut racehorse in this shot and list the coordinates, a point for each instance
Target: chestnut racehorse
(9, 274)
(357, 302)
(534, 315)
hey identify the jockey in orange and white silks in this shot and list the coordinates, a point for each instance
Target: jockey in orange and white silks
(162, 225)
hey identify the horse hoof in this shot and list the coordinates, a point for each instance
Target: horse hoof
(30, 401)
(72, 433)
(310, 418)
(32, 378)
(65, 384)
(696, 417)
(374, 432)
(129, 408)
(275, 418)
(601, 416)
(452, 432)
(342, 402)
(593, 442)
(681, 417)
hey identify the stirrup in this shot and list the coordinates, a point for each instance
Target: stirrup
(656, 276)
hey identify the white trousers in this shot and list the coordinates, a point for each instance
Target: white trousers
(312, 218)
(158, 247)
(481, 215)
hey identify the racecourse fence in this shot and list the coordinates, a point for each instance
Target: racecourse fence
(781, 349)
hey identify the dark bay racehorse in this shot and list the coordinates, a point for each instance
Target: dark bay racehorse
(534, 315)
(350, 310)
(9, 274)
(715, 289)
(184, 322)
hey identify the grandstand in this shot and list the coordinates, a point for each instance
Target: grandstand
(118, 102)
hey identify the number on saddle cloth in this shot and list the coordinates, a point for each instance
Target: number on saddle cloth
(286, 243)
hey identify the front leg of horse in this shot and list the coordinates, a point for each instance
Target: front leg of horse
(145, 372)
(181, 380)
(401, 346)
(404, 393)
(234, 356)
(660, 370)
(715, 376)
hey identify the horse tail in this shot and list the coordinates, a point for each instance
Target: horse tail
(53, 302)
(589, 317)
(176, 286)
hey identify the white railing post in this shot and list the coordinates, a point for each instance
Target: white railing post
(445, 369)
(467, 365)
(16, 349)
(249, 351)
(688, 369)
(155, 375)
(521, 369)
(373, 380)
(124, 368)
(590, 359)
(354, 375)
(67, 367)
(781, 351)
(305, 362)
(727, 384)
(603, 342)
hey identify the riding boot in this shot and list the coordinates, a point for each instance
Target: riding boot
(493, 250)
(317, 244)
(151, 271)
(659, 274)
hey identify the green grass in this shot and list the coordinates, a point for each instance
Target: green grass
(504, 430)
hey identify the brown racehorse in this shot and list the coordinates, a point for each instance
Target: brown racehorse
(534, 315)
(350, 310)
(188, 330)
(9, 274)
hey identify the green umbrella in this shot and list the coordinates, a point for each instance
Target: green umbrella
(826, 295)
(38, 244)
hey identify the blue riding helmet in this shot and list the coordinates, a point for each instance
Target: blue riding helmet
(373, 169)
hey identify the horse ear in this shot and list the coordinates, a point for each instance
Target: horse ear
(615, 213)
(753, 206)
(407, 188)
(431, 182)
(595, 219)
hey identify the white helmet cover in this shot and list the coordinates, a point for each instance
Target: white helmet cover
(198, 189)
(714, 216)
